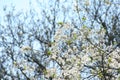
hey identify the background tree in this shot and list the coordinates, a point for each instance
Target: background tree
(67, 40)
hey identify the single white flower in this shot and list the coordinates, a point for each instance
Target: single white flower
(26, 48)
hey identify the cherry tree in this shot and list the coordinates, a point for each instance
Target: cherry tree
(64, 40)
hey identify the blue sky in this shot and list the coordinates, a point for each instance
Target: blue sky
(19, 4)
(23, 5)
